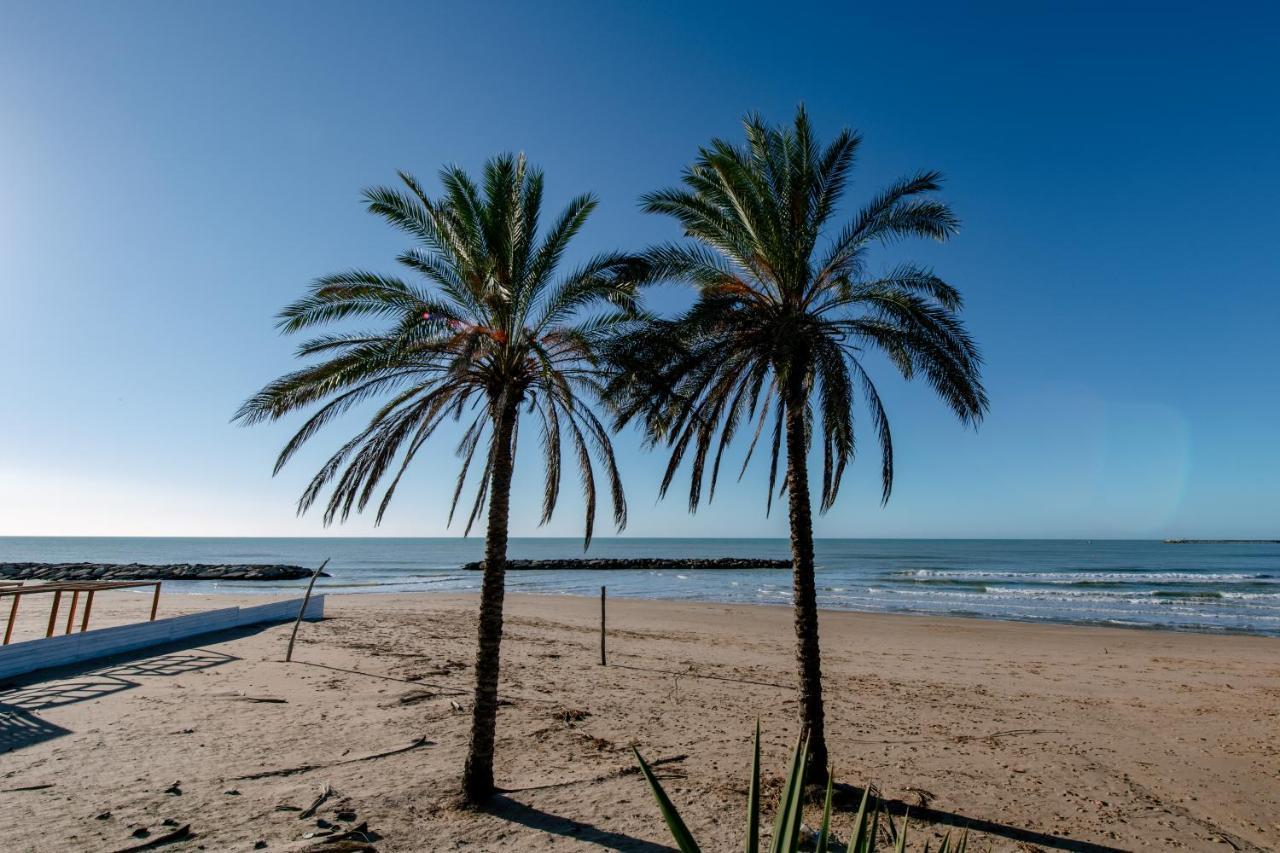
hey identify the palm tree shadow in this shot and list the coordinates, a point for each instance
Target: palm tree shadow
(850, 795)
(517, 812)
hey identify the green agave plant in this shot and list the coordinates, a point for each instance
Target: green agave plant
(863, 838)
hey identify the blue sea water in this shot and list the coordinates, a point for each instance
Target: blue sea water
(1221, 587)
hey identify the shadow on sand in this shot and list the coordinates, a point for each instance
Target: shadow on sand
(21, 699)
(515, 811)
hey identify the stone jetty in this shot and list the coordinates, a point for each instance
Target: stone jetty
(673, 564)
(140, 571)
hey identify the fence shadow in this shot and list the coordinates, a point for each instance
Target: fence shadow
(20, 726)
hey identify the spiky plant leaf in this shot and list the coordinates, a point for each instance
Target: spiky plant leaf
(786, 827)
(824, 834)
(679, 832)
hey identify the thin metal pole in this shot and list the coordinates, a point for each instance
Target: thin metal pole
(603, 593)
(155, 602)
(288, 655)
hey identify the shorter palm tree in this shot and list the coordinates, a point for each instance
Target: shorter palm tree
(787, 313)
(493, 335)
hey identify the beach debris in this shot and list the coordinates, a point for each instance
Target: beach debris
(304, 768)
(922, 797)
(180, 834)
(569, 716)
(103, 816)
(140, 832)
(174, 790)
(27, 788)
(232, 792)
(360, 833)
(345, 816)
(168, 822)
(413, 697)
(260, 844)
(284, 807)
(325, 793)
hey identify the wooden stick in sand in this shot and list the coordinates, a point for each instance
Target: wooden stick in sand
(288, 655)
(602, 599)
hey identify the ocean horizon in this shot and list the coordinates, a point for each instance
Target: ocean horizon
(1218, 587)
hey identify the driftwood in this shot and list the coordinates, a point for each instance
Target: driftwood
(325, 793)
(306, 598)
(305, 768)
(182, 833)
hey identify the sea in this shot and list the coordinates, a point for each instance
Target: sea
(1228, 587)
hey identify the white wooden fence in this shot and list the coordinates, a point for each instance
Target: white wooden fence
(46, 652)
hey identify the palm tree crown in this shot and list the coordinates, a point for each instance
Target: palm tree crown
(494, 330)
(787, 311)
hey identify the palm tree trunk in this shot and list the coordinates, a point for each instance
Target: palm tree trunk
(808, 657)
(477, 777)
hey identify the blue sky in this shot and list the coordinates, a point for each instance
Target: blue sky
(174, 173)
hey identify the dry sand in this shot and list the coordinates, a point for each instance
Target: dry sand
(1043, 737)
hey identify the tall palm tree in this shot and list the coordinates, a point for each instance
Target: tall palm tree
(786, 315)
(490, 333)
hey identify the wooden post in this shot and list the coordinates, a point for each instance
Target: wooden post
(13, 614)
(288, 655)
(603, 662)
(88, 605)
(155, 602)
(71, 617)
(53, 612)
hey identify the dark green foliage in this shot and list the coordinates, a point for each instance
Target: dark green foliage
(487, 324)
(863, 835)
(788, 308)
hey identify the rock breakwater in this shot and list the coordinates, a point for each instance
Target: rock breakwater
(140, 571)
(650, 563)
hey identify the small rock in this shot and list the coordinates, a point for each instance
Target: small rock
(104, 816)
(141, 832)
(169, 822)
(232, 793)
(260, 844)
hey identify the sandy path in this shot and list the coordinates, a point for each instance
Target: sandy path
(1058, 737)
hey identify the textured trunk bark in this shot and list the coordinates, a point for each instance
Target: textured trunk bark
(808, 657)
(477, 777)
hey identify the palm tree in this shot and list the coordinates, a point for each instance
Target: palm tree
(787, 314)
(490, 333)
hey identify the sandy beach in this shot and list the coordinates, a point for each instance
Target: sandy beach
(1036, 736)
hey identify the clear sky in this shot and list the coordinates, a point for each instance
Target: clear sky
(171, 174)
